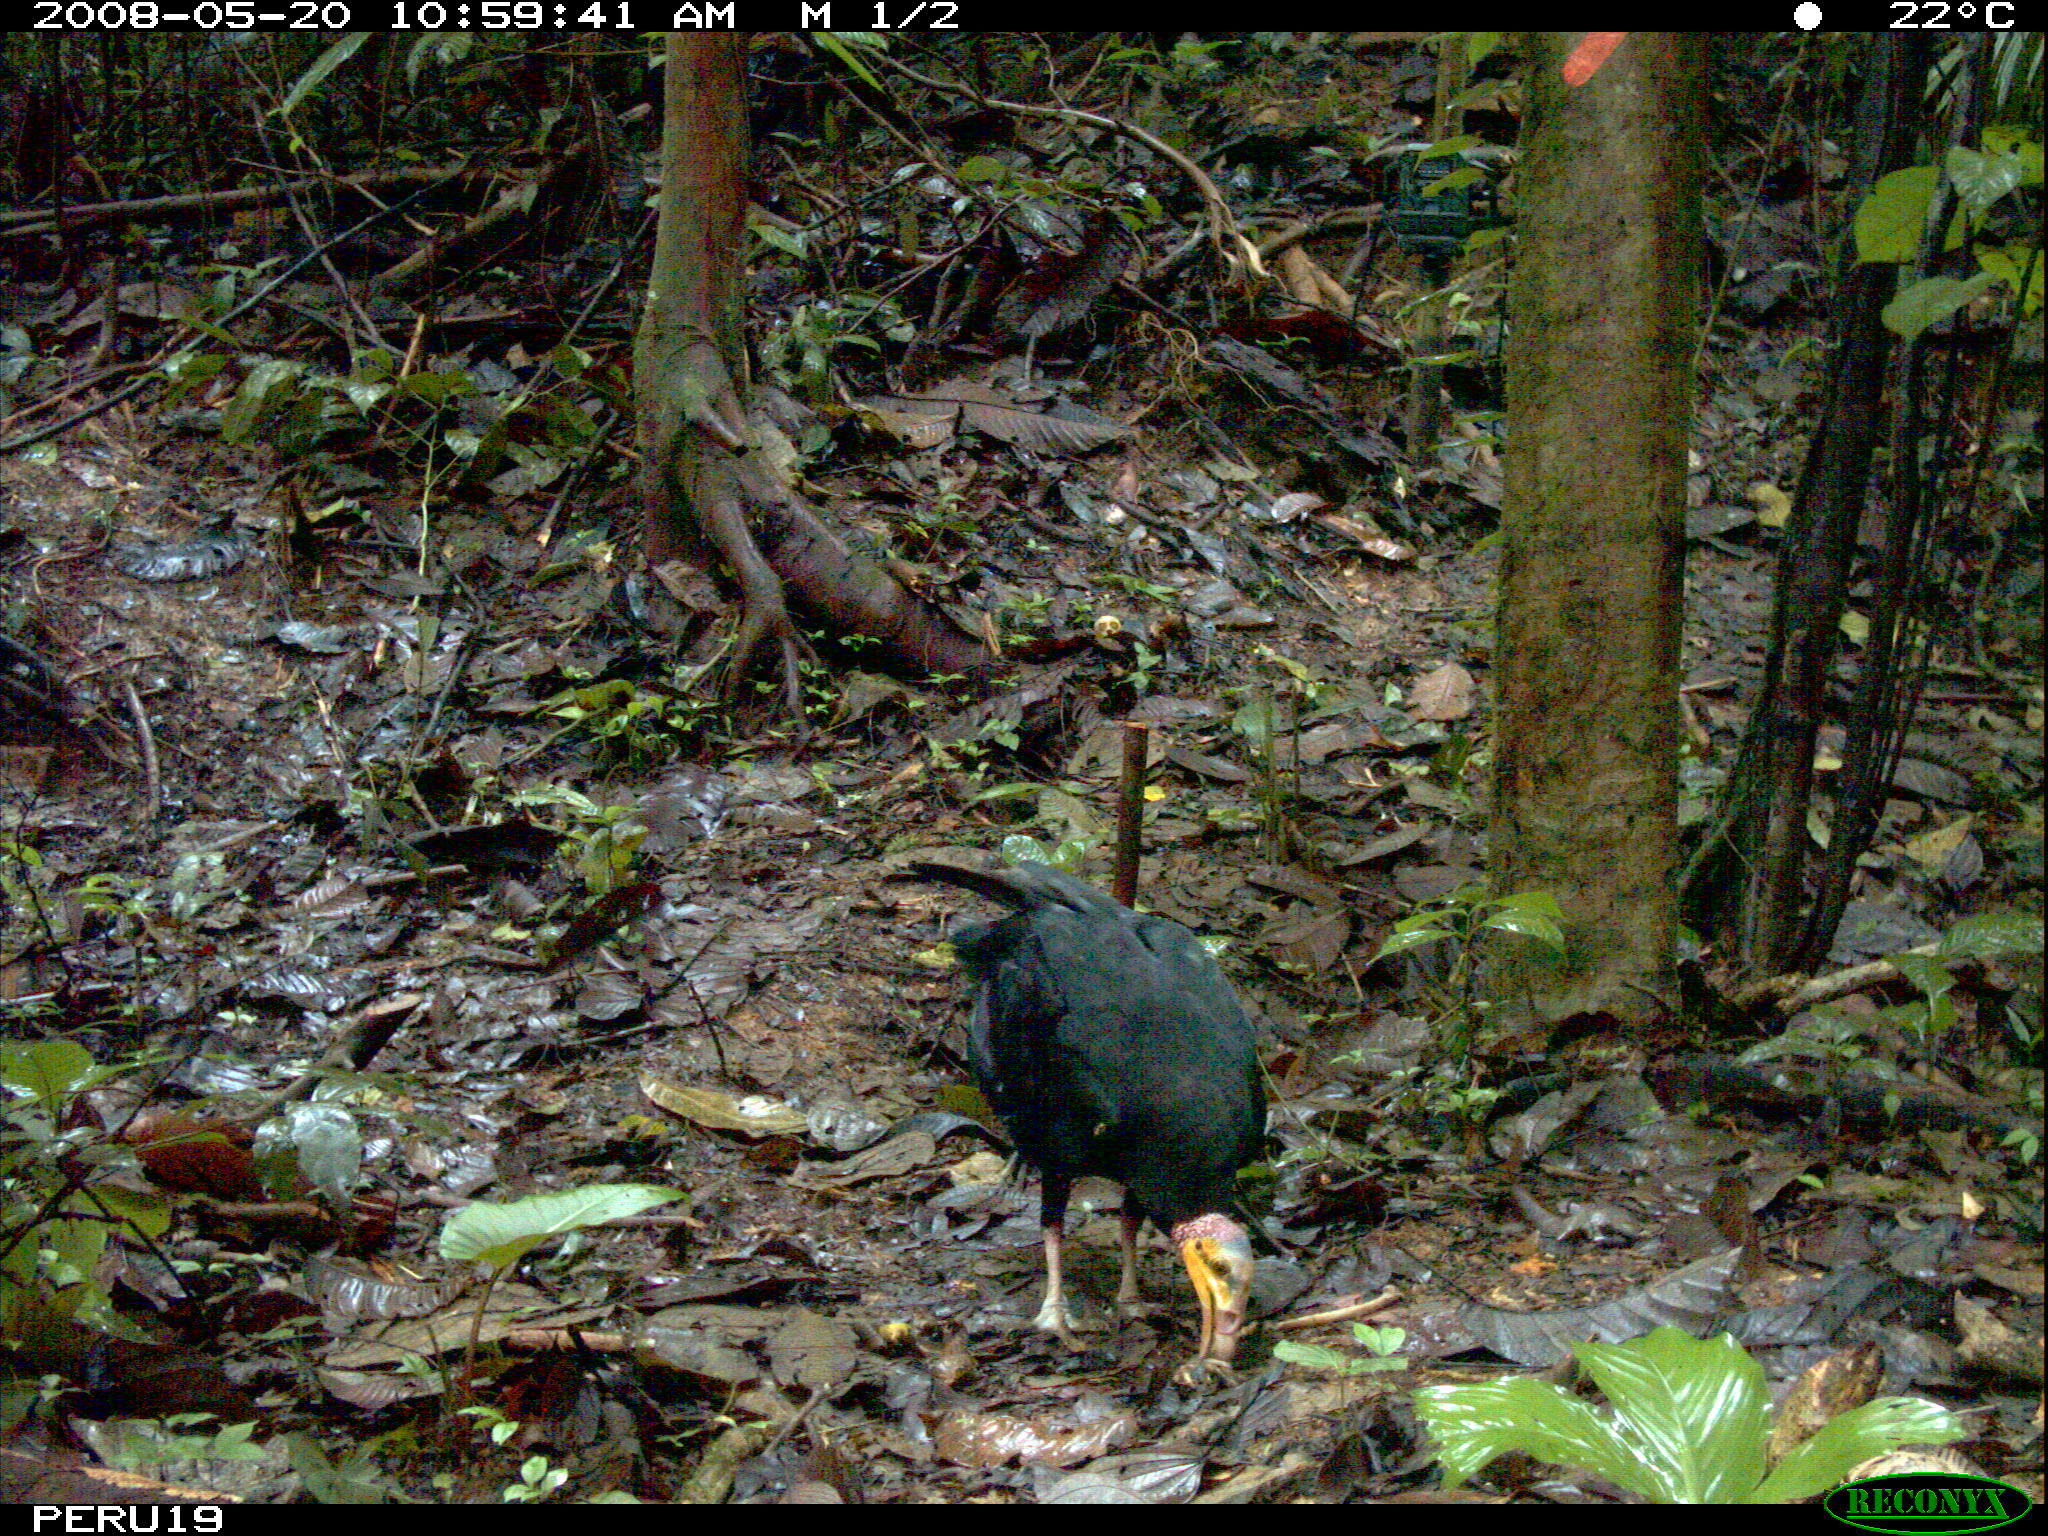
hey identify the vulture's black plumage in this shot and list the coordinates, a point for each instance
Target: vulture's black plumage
(1110, 1043)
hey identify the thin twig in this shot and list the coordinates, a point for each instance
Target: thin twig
(145, 742)
(1342, 1314)
(1232, 249)
(783, 1430)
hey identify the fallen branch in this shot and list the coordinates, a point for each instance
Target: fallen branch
(1344, 1313)
(40, 221)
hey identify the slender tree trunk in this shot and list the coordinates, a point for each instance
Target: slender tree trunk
(702, 450)
(1605, 306)
(1749, 880)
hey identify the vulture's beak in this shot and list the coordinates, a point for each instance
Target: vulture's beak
(1220, 1265)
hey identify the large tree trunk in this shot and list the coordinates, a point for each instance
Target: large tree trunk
(1605, 304)
(702, 462)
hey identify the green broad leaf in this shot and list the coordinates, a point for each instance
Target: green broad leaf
(1693, 1414)
(1931, 300)
(1532, 914)
(188, 370)
(1070, 853)
(71, 1250)
(2019, 269)
(1463, 176)
(356, 1480)
(840, 46)
(1384, 1341)
(570, 360)
(789, 243)
(1994, 933)
(1687, 1421)
(320, 1142)
(1022, 790)
(2009, 139)
(1822, 1460)
(436, 387)
(270, 383)
(1316, 1357)
(982, 168)
(486, 456)
(1475, 1424)
(337, 55)
(1254, 721)
(1982, 177)
(1452, 146)
(499, 1235)
(1410, 938)
(141, 1210)
(1017, 849)
(52, 1070)
(1925, 972)
(1533, 904)
(1890, 220)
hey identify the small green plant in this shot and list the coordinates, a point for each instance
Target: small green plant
(637, 728)
(1825, 1034)
(800, 354)
(1266, 711)
(498, 1235)
(1464, 920)
(970, 757)
(945, 511)
(1382, 1347)
(65, 1191)
(1832, 1035)
(1687, 1421)
(820, 688)
(1117, 581)
(1974, 938)
(1068, 855)
(1454, 765)
(538, 1477)
(603, 840)
(1144, 660)
(146, 1444)
(1469, 1104)
(355, 1479)
(1024, 613)
(116, 894)
(20, 865)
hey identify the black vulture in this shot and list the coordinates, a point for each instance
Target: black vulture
(1110, 1043)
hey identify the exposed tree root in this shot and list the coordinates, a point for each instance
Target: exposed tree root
(702, 466)
(780, 550)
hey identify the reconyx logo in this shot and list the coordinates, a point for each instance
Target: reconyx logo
(1947, 1503)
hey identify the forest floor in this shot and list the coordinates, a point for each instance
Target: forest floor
(346, 831)
(375, 838)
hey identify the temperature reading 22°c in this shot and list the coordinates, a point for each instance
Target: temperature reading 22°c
(1947, 15)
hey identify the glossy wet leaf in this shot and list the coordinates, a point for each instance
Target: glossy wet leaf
(500, 1234)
